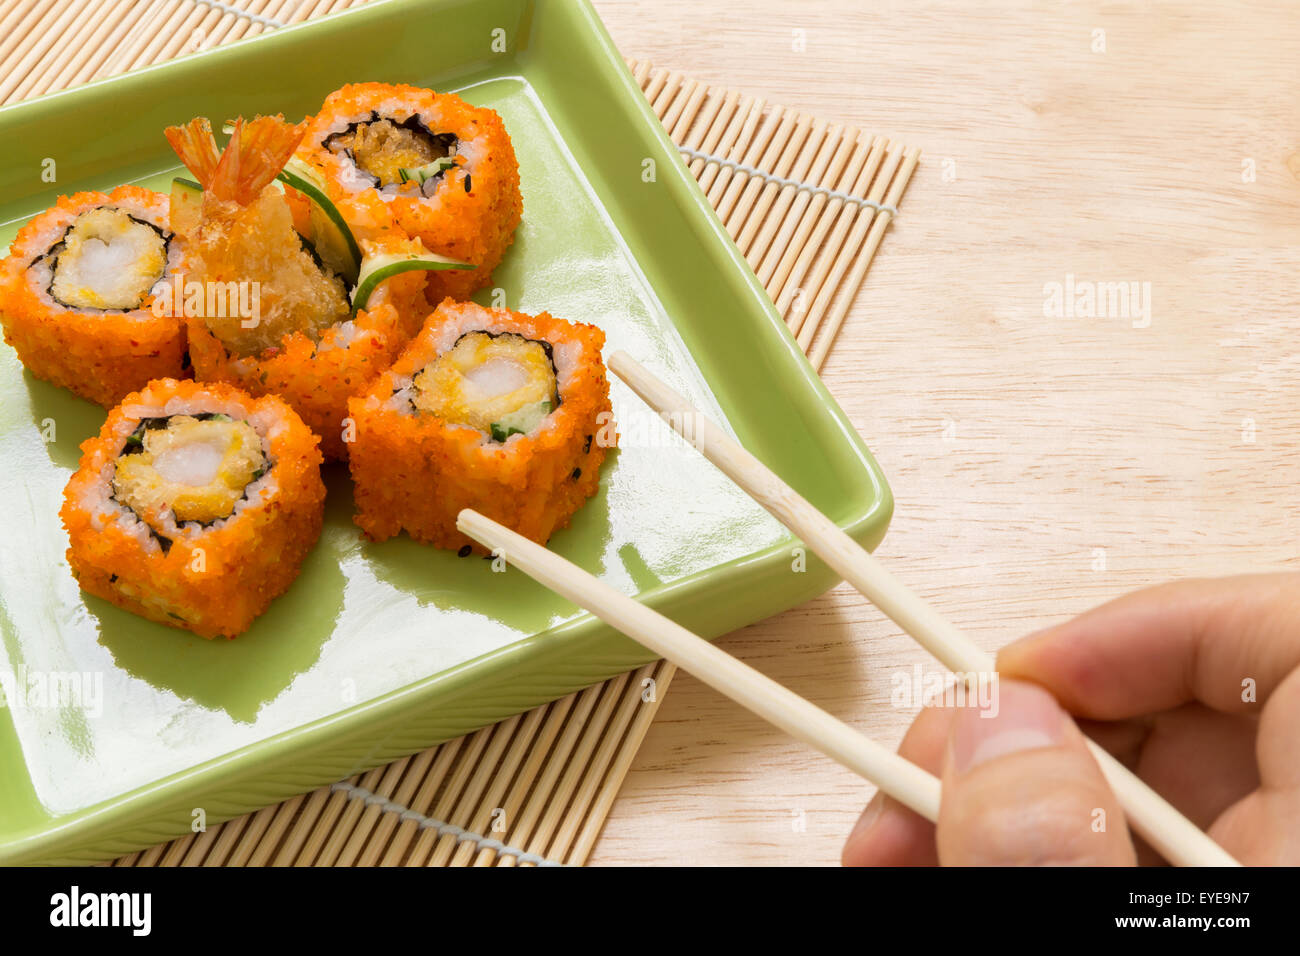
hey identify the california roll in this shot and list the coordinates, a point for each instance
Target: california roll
(429, 164)
(195, 505)
(77, 294)
(499, 411)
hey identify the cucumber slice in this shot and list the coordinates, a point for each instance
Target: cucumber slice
(421, 173)
(521, 421)
(186, 188)
(332, 236)
(186, 204)
(375, 269)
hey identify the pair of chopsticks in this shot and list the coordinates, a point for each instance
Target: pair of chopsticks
(1174, 836)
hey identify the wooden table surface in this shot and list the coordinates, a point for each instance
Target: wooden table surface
(1042, 463)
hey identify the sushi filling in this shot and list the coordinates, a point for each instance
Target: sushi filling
(189, 468)
(501, 384)
(381, 148)
(107, 260)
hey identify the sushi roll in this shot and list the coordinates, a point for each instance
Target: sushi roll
(322, 332)
(195, 505)
(77, 293)
(442, 171)
(489, 409)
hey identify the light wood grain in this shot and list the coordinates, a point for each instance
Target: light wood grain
(1083, 457)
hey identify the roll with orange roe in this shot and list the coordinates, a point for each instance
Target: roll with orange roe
(195, 505)
(77, 292)
(499, 411)
(312, 341)
(430, 164)
(317, 371)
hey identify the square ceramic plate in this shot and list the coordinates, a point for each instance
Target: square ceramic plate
(115, 729)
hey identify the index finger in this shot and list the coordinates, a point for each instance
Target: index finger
(1226, 642)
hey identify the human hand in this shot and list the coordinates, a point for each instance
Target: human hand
(1194, 685)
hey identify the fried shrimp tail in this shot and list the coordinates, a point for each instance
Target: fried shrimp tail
(243, 241)
(197, 148)
(257, 152)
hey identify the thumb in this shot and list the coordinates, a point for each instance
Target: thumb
(1021, 789)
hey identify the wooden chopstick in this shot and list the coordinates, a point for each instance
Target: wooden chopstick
(1174, 836)
(783, 708)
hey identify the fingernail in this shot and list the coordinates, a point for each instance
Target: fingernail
(1027, 717)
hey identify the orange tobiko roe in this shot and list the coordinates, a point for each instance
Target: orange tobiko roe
(473, 214)
(100, 356)
(414, 472)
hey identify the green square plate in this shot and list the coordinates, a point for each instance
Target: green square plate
(116, 730)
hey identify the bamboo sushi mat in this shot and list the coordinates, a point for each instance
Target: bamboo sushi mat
(807, 202)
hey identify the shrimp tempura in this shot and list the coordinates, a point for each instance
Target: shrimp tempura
(245, 233)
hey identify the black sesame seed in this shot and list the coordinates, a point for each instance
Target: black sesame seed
(587, 447)
(468, 185)
(465, 551)
(577, 473)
